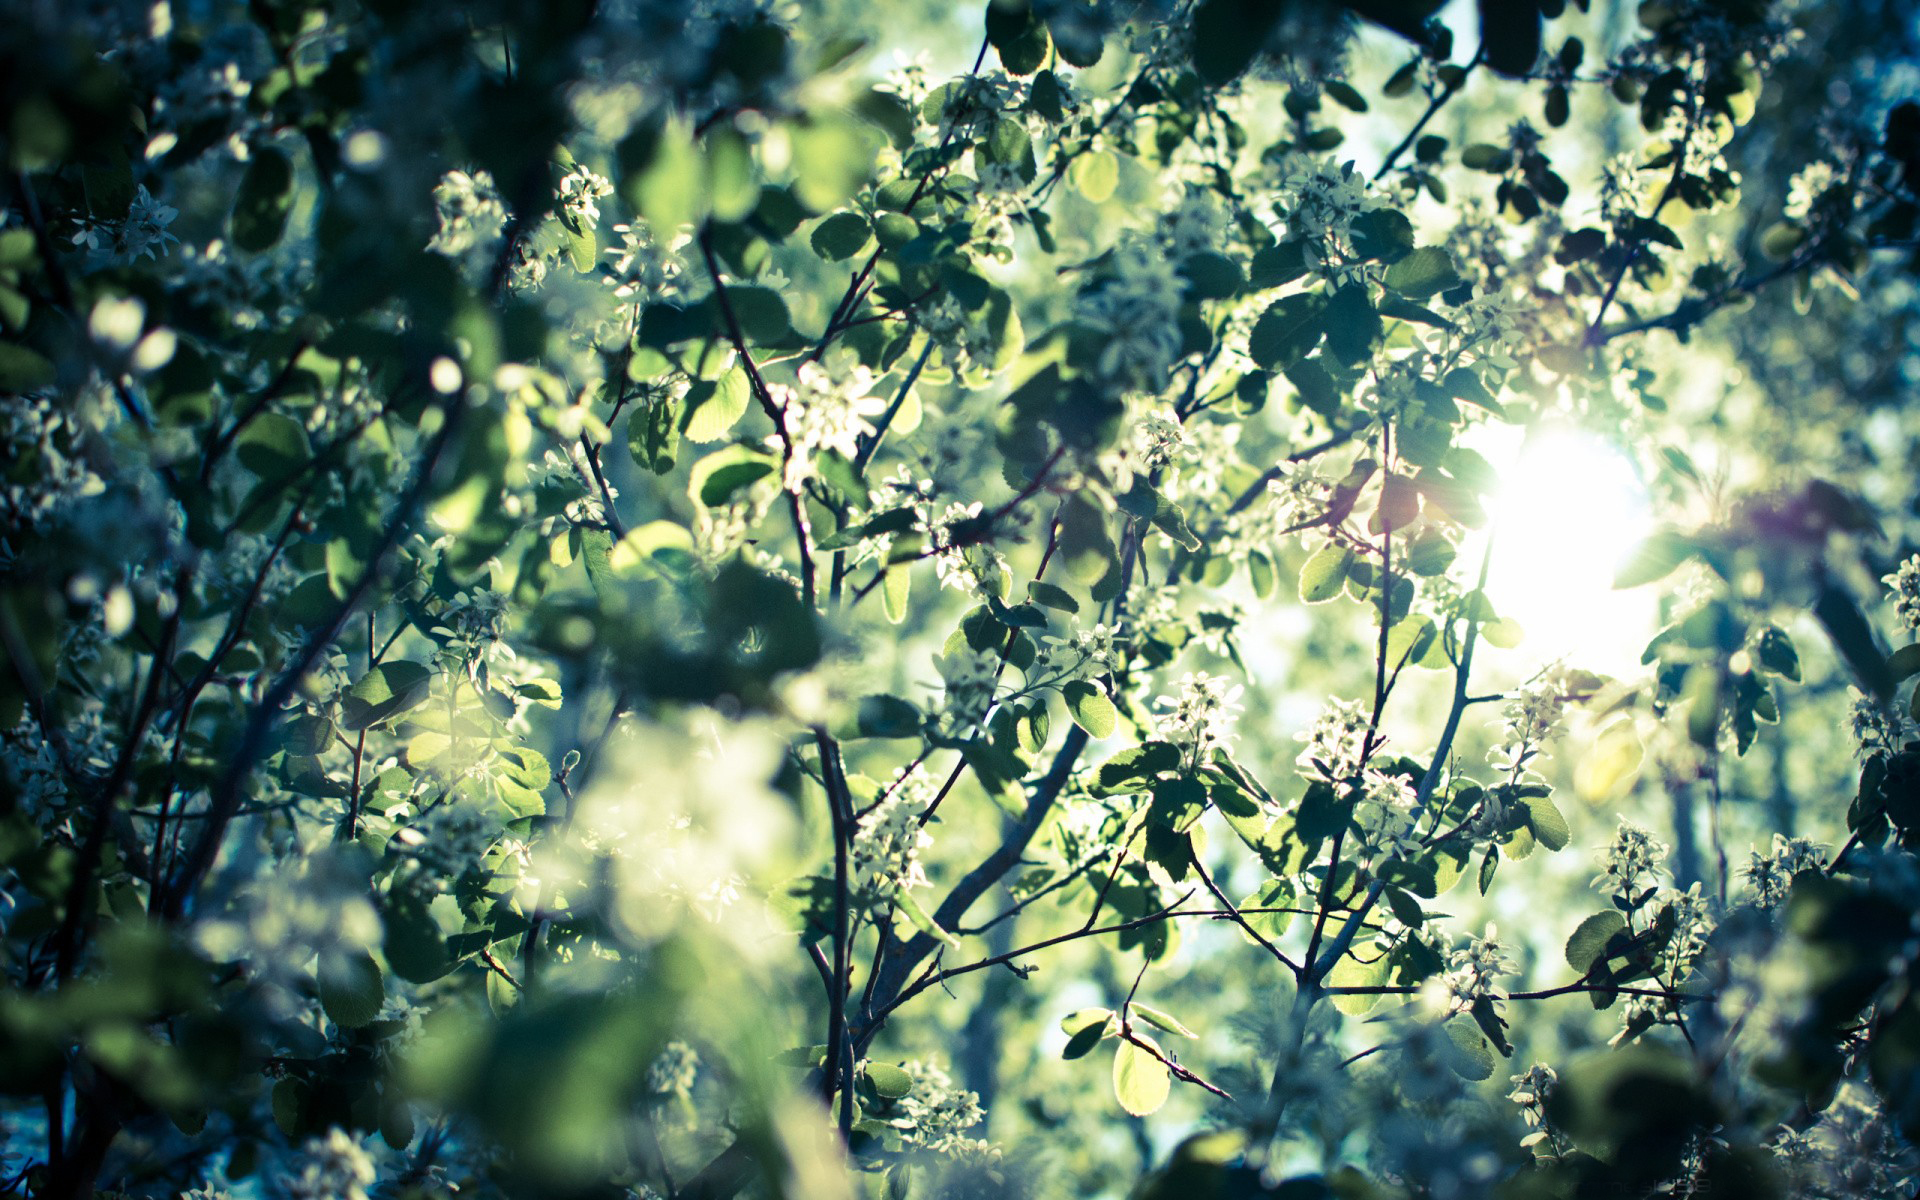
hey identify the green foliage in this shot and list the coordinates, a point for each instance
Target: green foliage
(388, 755)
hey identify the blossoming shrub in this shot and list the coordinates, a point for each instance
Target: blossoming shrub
(641, 599)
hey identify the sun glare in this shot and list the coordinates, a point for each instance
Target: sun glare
(1569, 509)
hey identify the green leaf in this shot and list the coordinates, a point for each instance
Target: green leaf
(1384, 234)
(1278, 264)
(1053, 597)
(1212, 276)
(1082, 1040)
(1289, 328)
(414, 947)
(351, 988)
(1161, 1020)
(888, 1080)
(894, 590)
(1344, 95)
(583, 246)
(384, 692)
(1589, 942)
(921, 919)
(713, 408)
(888, 717)
(1137, 764)
(1548, 826)
(264, 199)
(1140, 1080)
(1425, 272)
(1469, 1057)
(1656, 558)
(1352, 323)
(841, 236)
(1085, 1018)
(653, 434)
(1095, 175)
(1853, 637)
(1904, 663)
(1324, 573)
(1775, 652)
(1091, 709)
(273, 445)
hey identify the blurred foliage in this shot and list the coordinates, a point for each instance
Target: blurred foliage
(642, 599)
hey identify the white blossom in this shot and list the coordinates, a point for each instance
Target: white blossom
(1473, 971)
(1808, 189)
(1336, 743)
(936, 1115)
(1135, 307)
(1905, 583)
(335, 1167)
(970, 678)
(472, 214)
(887, 841)
(580, 193)
(1630, 860)
(673, 1071)
(824, 413)
(1200, 714)
(1770, 876)
(1384, 817)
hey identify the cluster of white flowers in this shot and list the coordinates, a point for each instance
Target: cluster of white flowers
(580, 193)
(1384, 817)
(1319, 202)
(1135, 306)
(1299, 493)
(472, 215)
(1473, 971)
(1190, 222)
(887, 841)
(213, 89)
(239, 285)
(1905, 582)
(1085, 655)
(645, 267)
(964, 563)
(1155, 440)
(970, 678)
(973, 108)
(907, 79)
(291, 913)
(1532, 1090)
(33, 431)
(1209, 450)
(936, 1115)
(1623, 189)
(824, 413)
(1693, 923)
(1853, 1152)
(448, 840)
(1000, 198)
(1336, 743)
(947, 324)
(1770, 876)
(142, 233)
(1086, 826)
(673, 1071)
(1200, 714)
(1488, 324)
(1630, 861)
(1808, 189)
(1533, 715)
(335, 1167)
